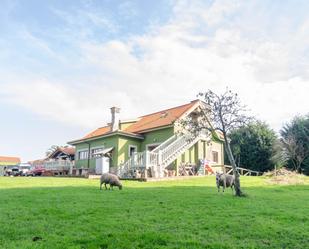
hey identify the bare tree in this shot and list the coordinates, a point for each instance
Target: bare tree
(295, 139)
(51, 150)
(222, 114)
(279, 155)
(295, 150)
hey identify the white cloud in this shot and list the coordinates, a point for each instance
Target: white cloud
(83, 107)
(198, 49)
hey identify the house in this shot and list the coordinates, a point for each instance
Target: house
(148, 146)
(39, 163)
(7, 161)
(62, 153)
(60, 161)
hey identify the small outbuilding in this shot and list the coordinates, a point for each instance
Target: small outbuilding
(60, 162)
(8, 161)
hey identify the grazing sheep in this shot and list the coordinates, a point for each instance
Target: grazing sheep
(225, 181)
(111, 179)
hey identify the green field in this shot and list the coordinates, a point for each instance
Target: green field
(74, 213)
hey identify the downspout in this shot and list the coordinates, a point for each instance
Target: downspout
(88, 161)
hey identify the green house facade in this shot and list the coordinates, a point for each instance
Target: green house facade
(148, 146)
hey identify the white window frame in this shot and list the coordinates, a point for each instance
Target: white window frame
(95, 148)
(129, 149)
(212, 156)
(80, 151)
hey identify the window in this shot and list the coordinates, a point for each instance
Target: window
(83, 155)
(95, 152)
(132, 150)
(215, 156)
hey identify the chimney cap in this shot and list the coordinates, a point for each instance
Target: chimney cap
(115, 109)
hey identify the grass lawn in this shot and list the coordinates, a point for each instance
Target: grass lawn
(74, 213)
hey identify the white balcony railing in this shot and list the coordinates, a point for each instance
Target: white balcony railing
(163, 155)
(58, 165)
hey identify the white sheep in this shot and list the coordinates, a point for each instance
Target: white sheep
(111, 179)
(225, 180)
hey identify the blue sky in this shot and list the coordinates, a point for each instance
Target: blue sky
(64, 63)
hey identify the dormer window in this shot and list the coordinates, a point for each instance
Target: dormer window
(194, 116)
(164, 114)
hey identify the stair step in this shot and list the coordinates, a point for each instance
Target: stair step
(181, 148)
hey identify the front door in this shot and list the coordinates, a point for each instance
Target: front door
(102, 165)
(105, 161)
(99, 165)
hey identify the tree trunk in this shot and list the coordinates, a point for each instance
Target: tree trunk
(229, 153)
(294, 161)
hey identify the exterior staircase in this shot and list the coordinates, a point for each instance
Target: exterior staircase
(159, 158)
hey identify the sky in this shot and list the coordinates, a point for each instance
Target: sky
(63, 64)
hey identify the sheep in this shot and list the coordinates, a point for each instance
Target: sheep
(111, 179)
(225, 181)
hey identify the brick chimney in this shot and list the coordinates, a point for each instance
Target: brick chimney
(115, 118)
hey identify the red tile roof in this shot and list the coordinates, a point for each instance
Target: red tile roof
(65, 150)
(98, 132)
(9, 159)
(160, 119)
(147, 122)
(68, 150)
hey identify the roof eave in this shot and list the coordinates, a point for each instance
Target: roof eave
(156, 128)
(106, 135)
